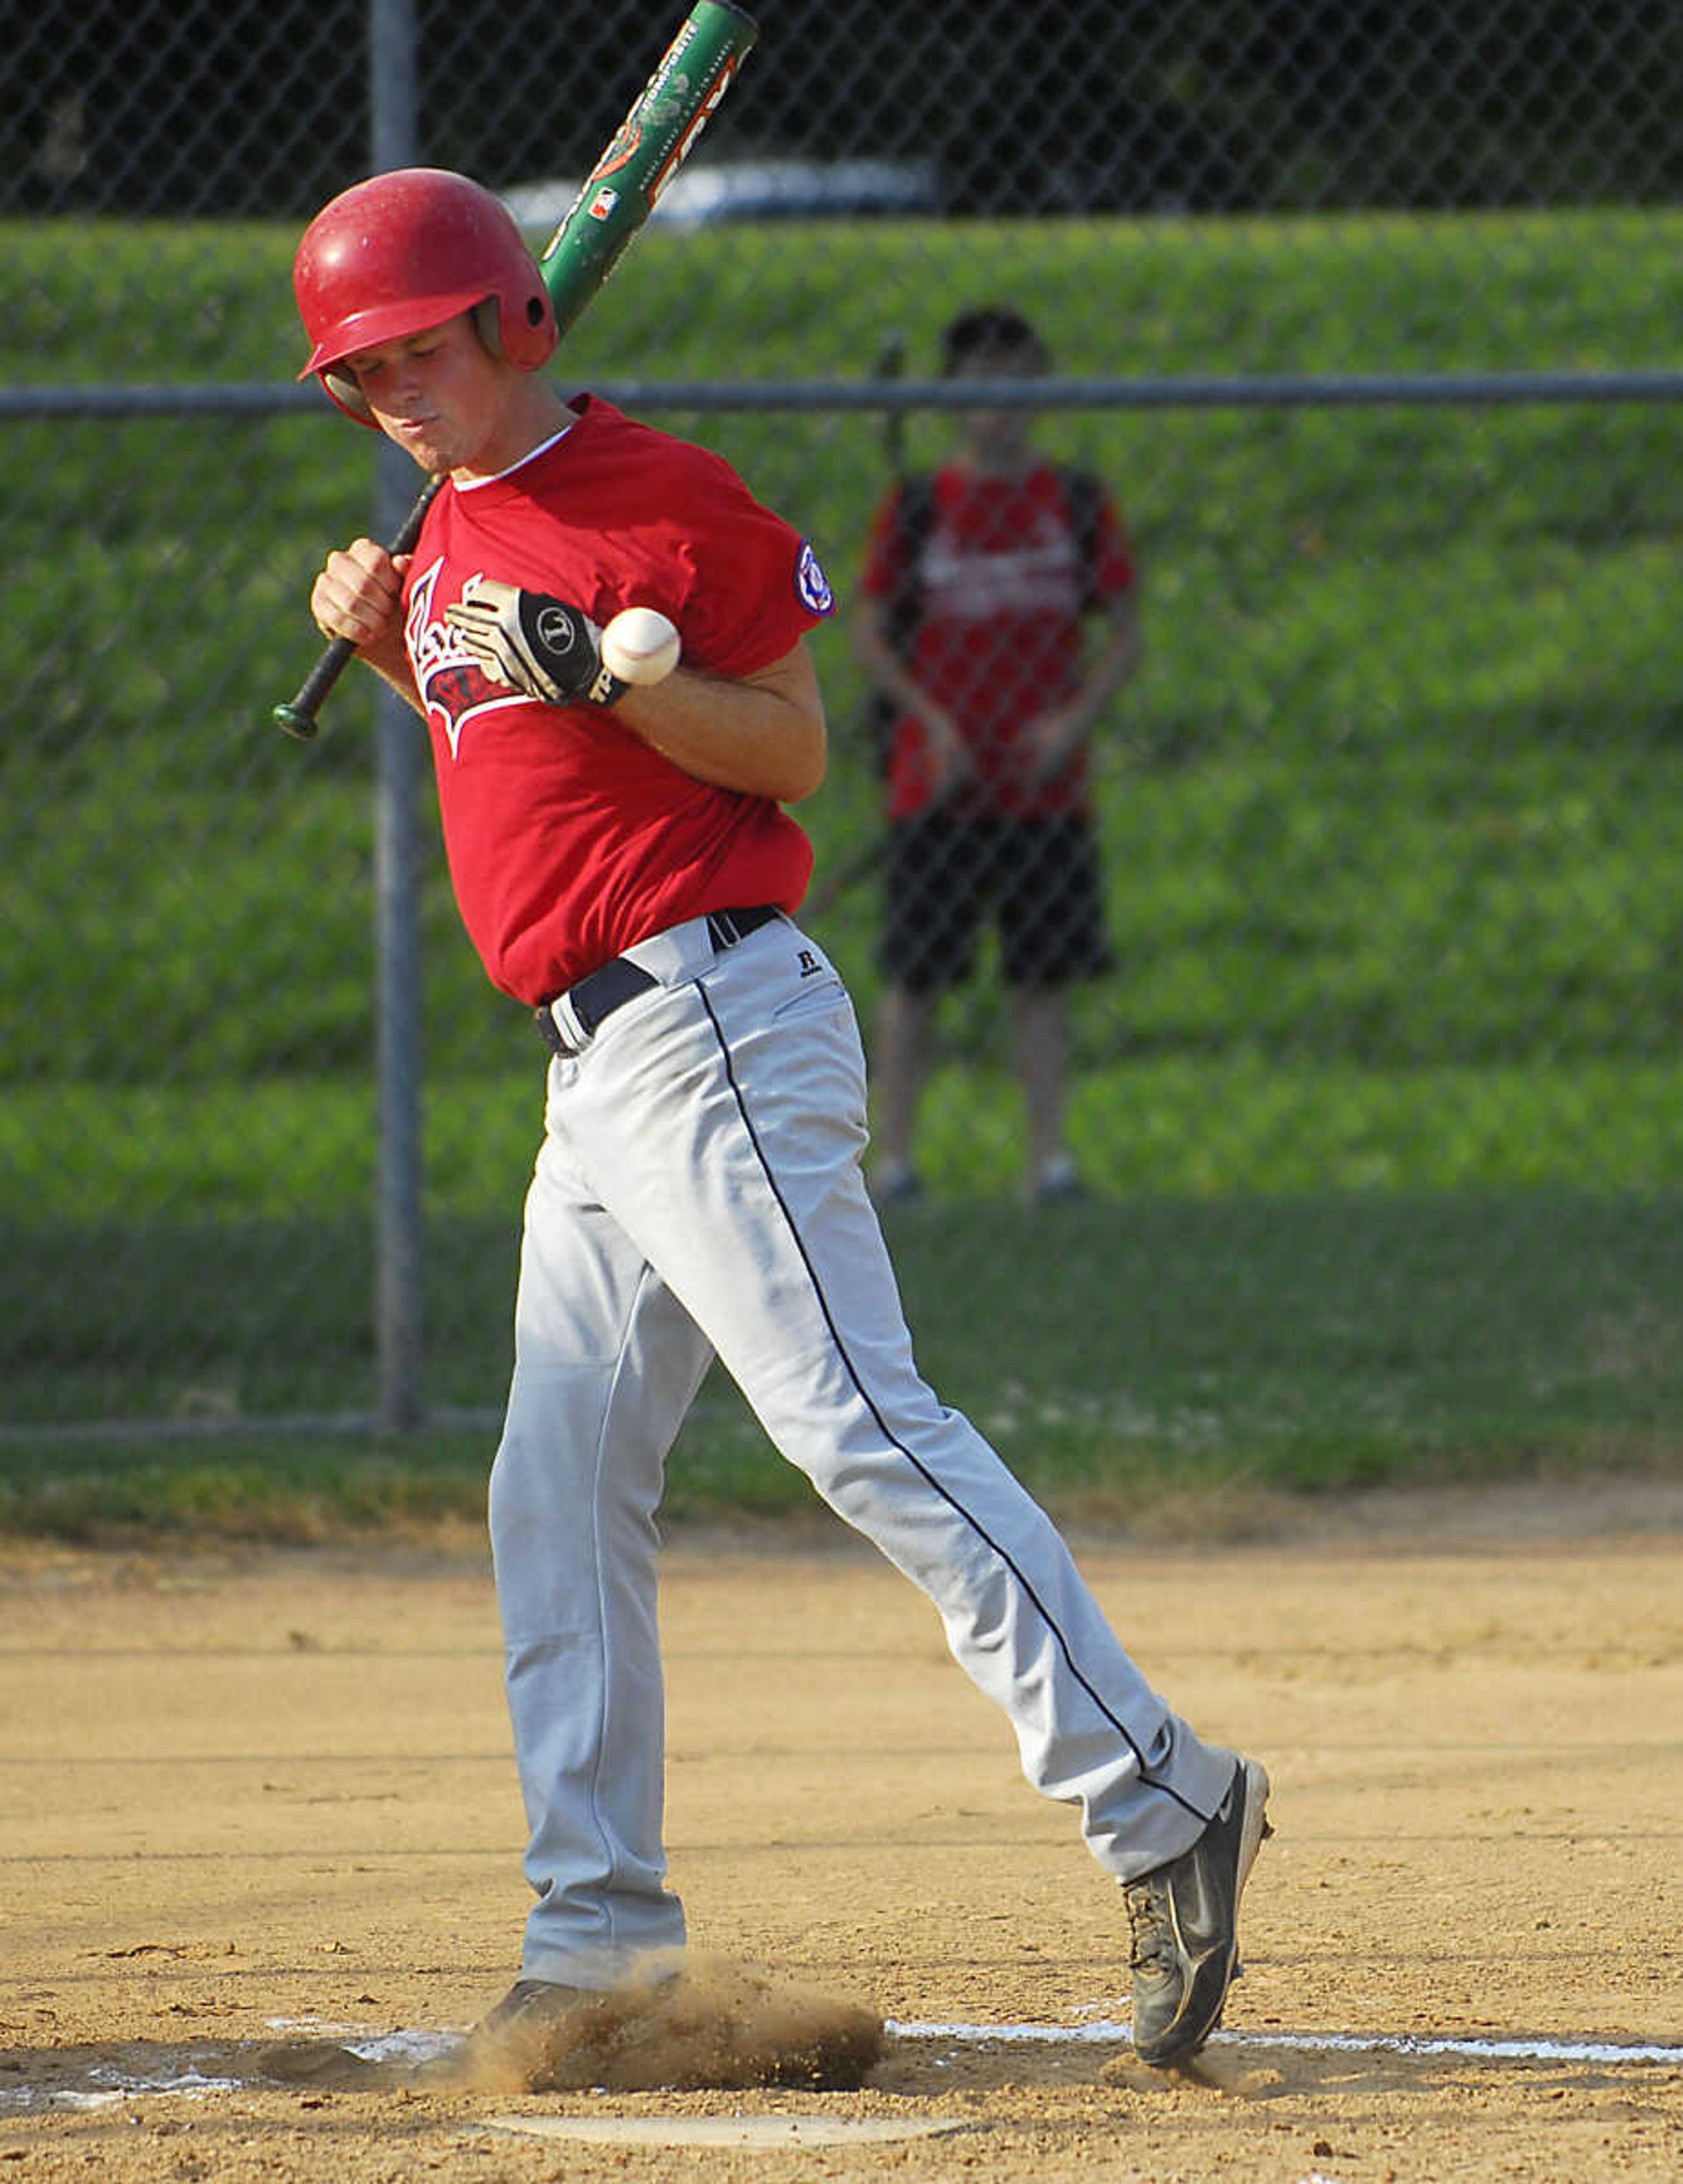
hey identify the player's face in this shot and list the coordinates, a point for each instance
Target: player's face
(440, 394)
(999, 438)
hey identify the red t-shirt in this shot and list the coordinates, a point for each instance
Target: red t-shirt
(1004, 583)
(567, 838)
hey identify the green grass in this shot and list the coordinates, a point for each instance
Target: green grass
(1384, 1096)
(1134, 1350)
(1319, 583)
(1593, 289)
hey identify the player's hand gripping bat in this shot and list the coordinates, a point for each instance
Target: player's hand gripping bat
(618, 195)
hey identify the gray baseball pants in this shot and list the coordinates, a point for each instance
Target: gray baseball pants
(699, 1190)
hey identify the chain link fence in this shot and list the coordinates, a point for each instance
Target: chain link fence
(1367, 318)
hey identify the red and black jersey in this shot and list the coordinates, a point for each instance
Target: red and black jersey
(568, 838)
(1003, 571)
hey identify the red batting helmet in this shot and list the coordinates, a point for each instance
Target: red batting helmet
(408, 250)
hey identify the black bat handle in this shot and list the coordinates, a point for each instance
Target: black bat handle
(298, 718)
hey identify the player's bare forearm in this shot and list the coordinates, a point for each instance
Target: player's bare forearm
(890, 672)
(881, 663)
(895, 680)
(390, 662)
(1111, 670)
(763, 734)
(399, 677)
(1118, 658)
(1055, 737)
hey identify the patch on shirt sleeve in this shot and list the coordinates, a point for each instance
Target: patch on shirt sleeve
(810, 582)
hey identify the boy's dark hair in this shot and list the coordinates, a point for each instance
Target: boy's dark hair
(990, 330)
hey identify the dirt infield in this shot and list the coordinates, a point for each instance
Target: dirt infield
(250, 1803)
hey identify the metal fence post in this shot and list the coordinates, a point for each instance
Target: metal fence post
(400, 1278)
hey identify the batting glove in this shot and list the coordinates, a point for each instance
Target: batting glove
(534, 643)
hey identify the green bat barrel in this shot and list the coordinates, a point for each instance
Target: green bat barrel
(649, 147)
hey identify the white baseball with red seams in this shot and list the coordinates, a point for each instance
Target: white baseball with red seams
(641, 646)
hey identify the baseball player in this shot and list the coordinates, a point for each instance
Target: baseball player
(625, 865)
(978, 581)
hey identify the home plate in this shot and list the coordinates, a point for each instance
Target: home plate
(769, 2130)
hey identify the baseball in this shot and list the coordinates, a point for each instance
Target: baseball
(640, 646)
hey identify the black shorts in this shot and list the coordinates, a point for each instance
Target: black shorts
(1037, 879)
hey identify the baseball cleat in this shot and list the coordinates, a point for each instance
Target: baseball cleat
(1185, 1918)
(530, 2002)
(515, 2035)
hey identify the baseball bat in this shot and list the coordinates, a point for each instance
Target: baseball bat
(612, 206)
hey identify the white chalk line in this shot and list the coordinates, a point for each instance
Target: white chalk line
(107, 2086)
(417, 2044)
(1337, 2043)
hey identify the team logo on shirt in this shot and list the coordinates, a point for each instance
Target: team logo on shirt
(454, 686)
(811, 584)
(970, 580)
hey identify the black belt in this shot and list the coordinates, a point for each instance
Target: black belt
(595, 999)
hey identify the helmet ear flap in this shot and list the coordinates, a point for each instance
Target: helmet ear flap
(347, 394)
(521, 330)
(487, 318)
